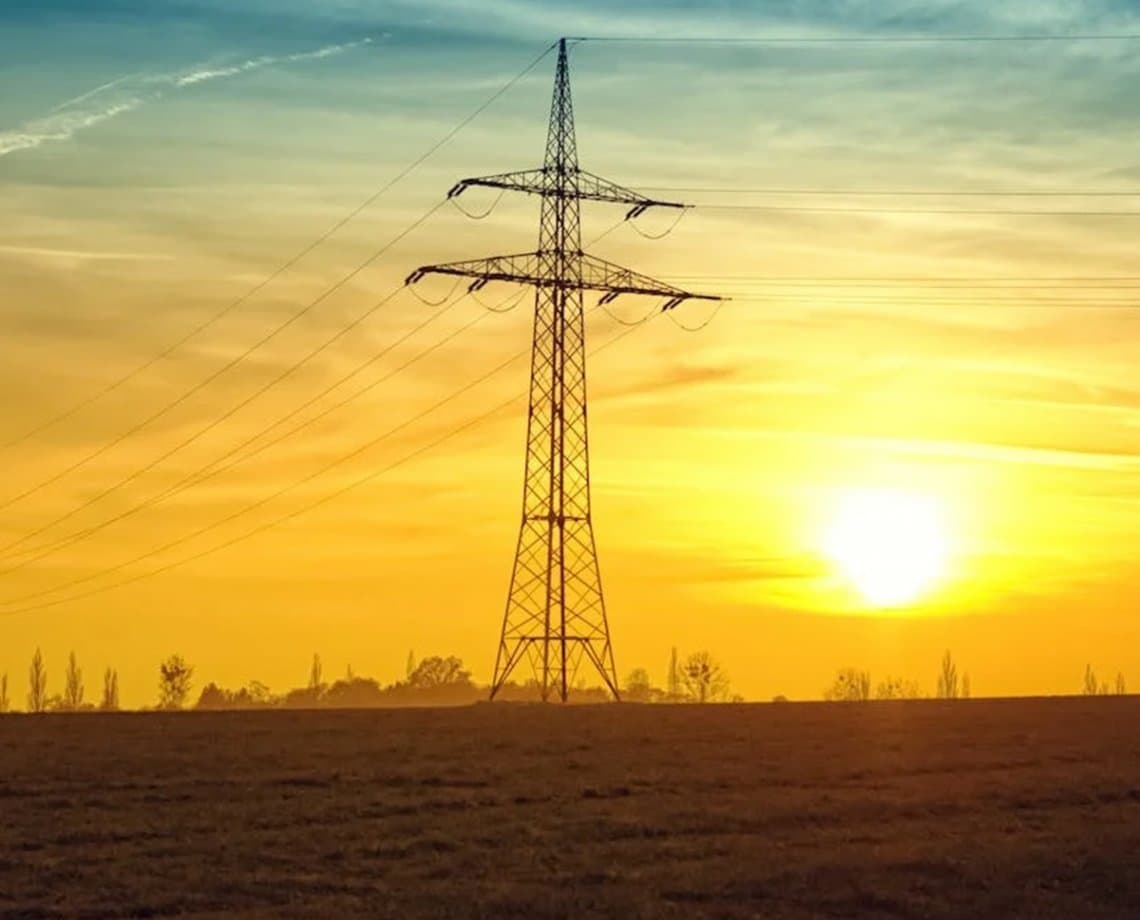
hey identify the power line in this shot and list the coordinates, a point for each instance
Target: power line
(6, 550)
(752, 296)
(288, 264)
(261, 502)
(970, 280)
(703, 324)
(889, 193)
(311, 506)
(852, 39)
(218, 465)
(203, 430)
(233, 362)
(826, 209)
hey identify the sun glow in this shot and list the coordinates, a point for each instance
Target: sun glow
(891, 545)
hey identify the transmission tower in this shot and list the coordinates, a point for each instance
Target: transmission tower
(556, 614)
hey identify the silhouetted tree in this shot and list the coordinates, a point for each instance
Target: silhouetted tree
(673, 677)
(354, 693)
(948, 688)
(410, 667)
(110, 699)
(315, 674)
(637, 687)
(965, 686)
(895, 688)
(37, 684)
(5, 703)
(254, 695)
(1091, 687)
(703, 679)
(174, 682)
(304, 697)
(73, 689)
(213, 697)
(1121, 687)
(582, 694)
(438, 672)
(850, 686)
(258, 693)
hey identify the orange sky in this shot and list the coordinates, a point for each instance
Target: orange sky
(719, 456)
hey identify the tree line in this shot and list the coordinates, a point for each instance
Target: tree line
(434, 680)
(444, 681)
(74, 695)
(852, 685)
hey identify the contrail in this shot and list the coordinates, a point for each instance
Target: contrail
(91, 93)
(69, 118)
(60, 127)
(200, 76)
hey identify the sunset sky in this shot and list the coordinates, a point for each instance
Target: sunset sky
(159, 159)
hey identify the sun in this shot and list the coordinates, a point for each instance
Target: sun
(890, 544)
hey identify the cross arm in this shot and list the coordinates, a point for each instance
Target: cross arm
(527, 268)
(587, 187)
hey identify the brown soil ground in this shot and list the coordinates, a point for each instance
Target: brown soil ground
(1015, 808)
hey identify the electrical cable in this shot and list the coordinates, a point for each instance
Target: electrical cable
(213, 469)
(288, 264)
(506, 306)
(700, 326)
(233, 362)
(323, 500)
(482, 215)
(854, 39)
(218, 466)
(660, 236)
(1003, 212)
(433, 303)
(888, 193)
(630, 323)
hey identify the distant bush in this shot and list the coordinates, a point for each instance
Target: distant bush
(354, 692)
(253, 696)
(637, 687)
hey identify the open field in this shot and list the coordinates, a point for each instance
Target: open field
(977, 808)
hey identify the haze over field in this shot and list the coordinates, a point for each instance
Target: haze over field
(941, 377)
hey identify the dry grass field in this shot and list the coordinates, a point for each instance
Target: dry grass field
(973, 809)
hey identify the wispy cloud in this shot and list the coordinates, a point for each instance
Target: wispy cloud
(91, 93)
(82, 254)
(201, 76)
(127, 93)
(62, 127)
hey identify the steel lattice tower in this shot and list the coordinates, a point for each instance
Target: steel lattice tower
(556, 612)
